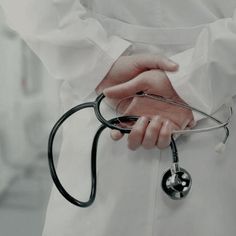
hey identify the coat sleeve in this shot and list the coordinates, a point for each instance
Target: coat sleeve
(206, 78)
(70, 43)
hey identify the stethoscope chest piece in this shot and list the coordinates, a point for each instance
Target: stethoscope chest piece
(176, 182)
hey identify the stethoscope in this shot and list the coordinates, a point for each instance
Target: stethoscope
(176, 181)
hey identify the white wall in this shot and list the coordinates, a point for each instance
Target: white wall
(29, 105)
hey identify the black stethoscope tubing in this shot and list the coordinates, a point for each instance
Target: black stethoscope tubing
(105, 124)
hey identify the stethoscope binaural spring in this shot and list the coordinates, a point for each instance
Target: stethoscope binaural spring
(176, 181)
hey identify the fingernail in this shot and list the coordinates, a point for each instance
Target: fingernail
(172, 62)
(175, 136)
(167, 124)
(192, 124)
(105, 91)
(116, 134)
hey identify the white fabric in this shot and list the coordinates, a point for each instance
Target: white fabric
(62, 31)
(206, 78)
(78, 41)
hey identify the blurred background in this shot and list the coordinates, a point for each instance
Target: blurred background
(29, 105)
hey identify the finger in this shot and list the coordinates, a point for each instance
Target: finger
(152, 132)
(116, 135)
(127, 89)
(164, 138)
(147, 62)
(136, 135)
(192, 123)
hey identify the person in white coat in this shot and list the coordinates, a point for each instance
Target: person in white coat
(81, 42)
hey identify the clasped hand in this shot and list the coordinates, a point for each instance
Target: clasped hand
(158, 120)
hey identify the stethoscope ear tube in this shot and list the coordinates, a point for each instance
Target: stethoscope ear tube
(111, 124)
(52, 168)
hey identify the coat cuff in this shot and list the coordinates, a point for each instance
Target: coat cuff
(105, 59)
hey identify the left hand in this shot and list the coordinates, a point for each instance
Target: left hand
(157, 119)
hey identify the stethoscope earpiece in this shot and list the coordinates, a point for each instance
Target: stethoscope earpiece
(220, 148)
(176, 182)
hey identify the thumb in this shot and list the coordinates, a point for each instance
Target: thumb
(150, 61)
(116, 135)
(126, 89)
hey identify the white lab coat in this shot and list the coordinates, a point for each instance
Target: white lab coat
(78, 41)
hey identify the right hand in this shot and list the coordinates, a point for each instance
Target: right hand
(128, 67)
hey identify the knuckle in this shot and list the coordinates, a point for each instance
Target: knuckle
(133, 142)
(148, 134)
(149, 140)
(143, 77)
(137, 132)
(165, 134)
(154, 127)
(157, 118)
